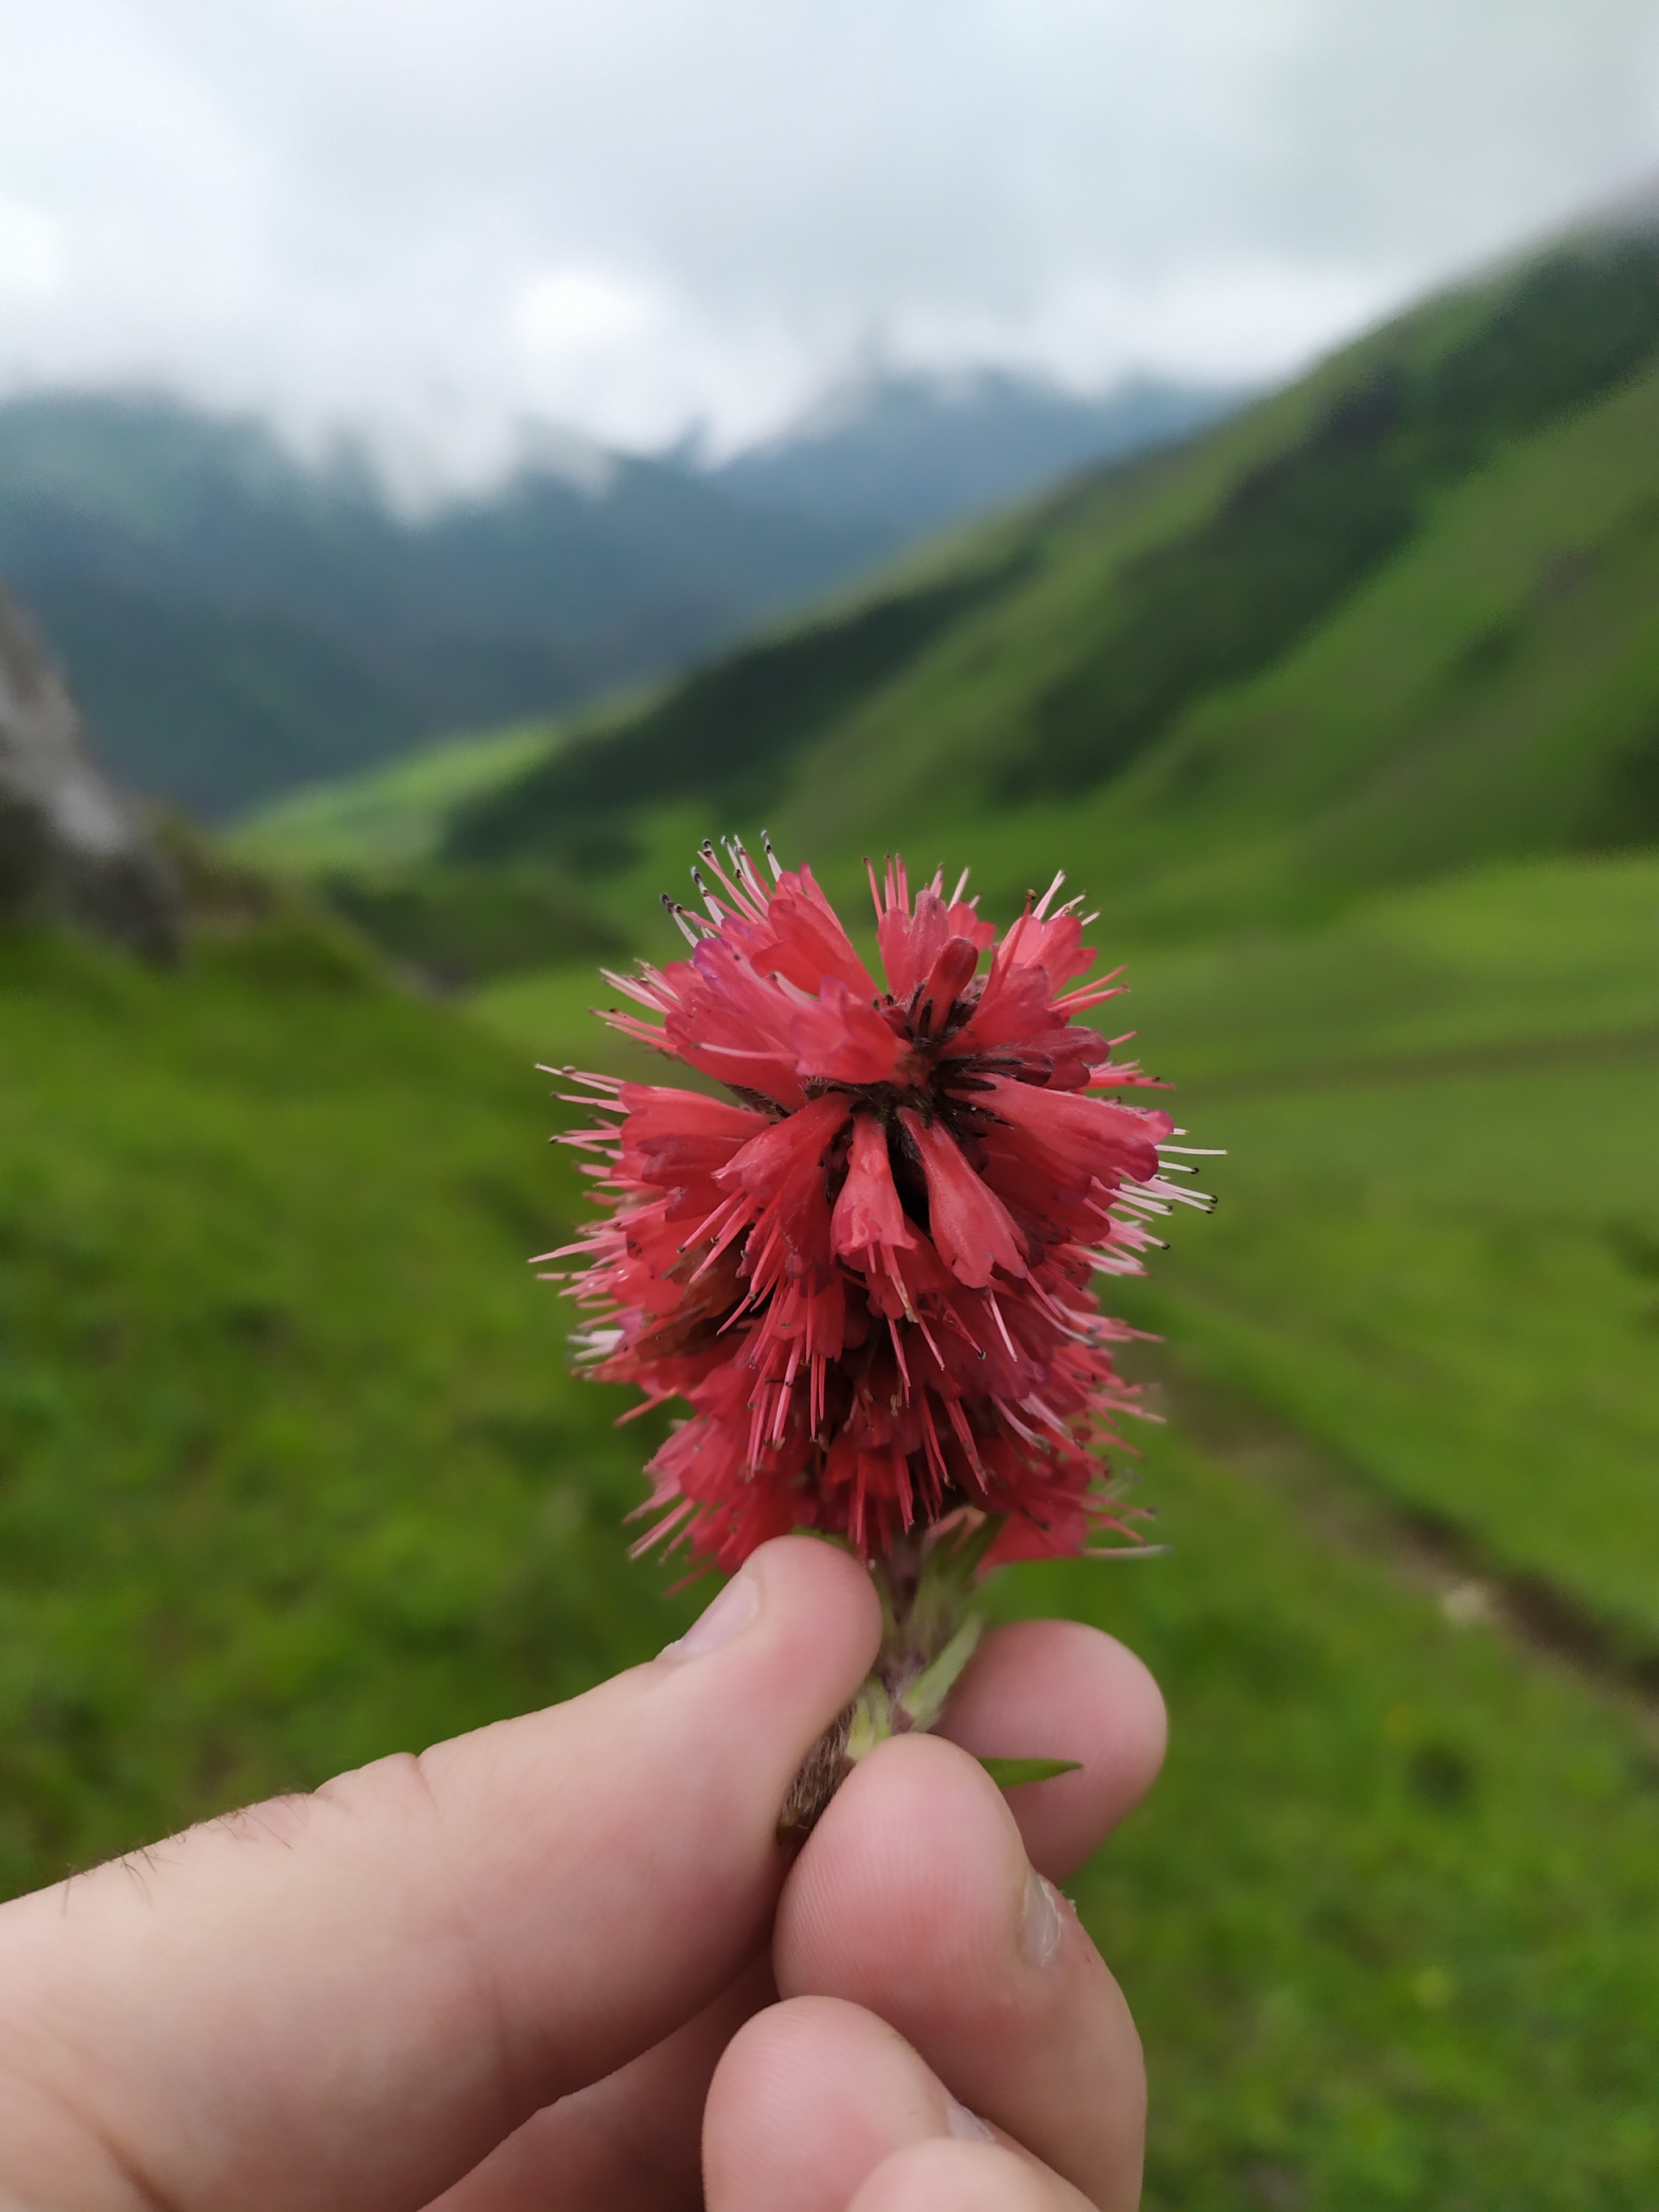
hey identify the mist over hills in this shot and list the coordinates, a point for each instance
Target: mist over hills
(237, 623)
(1402, 617)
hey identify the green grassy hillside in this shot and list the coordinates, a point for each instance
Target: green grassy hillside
(1395, 620)
(1439, 1249)
(295, 1476)
(387, 817)
(293, 1472)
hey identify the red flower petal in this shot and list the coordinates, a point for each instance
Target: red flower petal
(808, 943)
(1077, 1138)
(842, 1039)
(910, 944)
(672, 1134)
(970, 1225)
(787, 1151)
(868, 1212)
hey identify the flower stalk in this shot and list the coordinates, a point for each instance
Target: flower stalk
(929, 1633)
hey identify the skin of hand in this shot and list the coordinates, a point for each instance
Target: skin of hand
(562, 1963)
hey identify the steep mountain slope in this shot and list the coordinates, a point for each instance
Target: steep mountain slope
(1399, 617)
(240, 625)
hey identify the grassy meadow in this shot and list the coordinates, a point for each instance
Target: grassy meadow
(392, 815)
(296, 1477)
(1438, 1252)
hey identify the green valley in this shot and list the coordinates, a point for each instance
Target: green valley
(1470, 674)
(1394, 621)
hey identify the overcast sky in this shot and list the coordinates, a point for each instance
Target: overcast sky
(443, 219)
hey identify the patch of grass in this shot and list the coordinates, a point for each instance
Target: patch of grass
(1387, 1921)
(1440, 1186)
(1512, 960)
(387, 817)
(293, 1472)
(1626, 810)
(548, 1014)
(456, 926)
(1435, 1278)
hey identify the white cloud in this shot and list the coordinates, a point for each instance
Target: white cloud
(31, 252)
(577, 314)
(444, 218)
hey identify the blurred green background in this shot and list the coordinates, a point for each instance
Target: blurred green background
(1347, 714)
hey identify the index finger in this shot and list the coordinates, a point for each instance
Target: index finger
(345, 2000)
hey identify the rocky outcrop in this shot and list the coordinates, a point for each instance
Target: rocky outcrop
(70, 850)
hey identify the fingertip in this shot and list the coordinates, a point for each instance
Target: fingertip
(798, 1627)
(809, 2098)
(916, 1853)
(914, 1897)
(1058, 1689)
(945, 2176)
(804, 1575)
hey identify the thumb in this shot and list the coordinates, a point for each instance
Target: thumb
(348, 1999)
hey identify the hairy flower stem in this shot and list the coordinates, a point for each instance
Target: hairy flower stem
(926, 1582)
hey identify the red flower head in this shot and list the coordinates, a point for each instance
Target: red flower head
(868, 1270)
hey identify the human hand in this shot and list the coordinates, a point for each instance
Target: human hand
(502, 1977)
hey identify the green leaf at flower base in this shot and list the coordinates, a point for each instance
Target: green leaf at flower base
(872, 1721)
(1009, 1773)
(924, 1701)
(949, 1569)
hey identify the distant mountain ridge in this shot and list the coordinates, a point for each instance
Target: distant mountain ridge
(907, 454)
(238, 624)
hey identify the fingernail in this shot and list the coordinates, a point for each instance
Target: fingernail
(728, 1616)
(1040, 1925)
(962, 2122)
